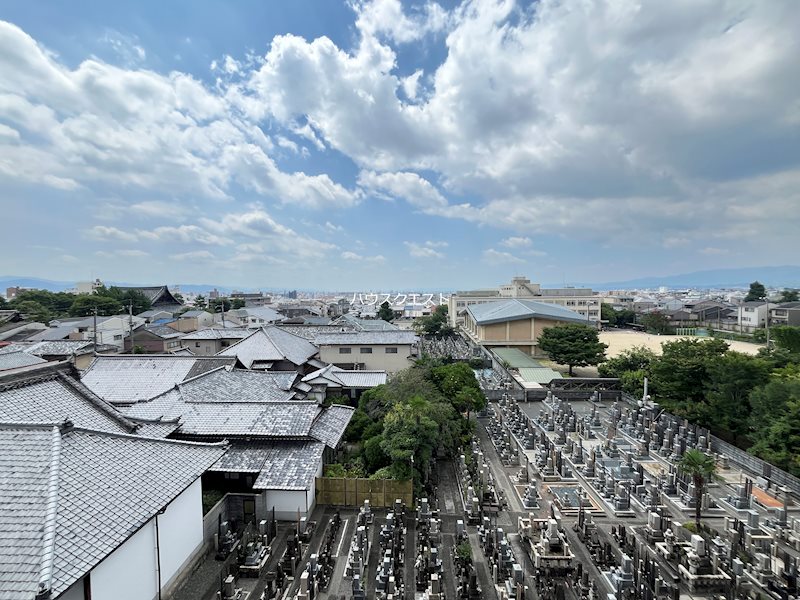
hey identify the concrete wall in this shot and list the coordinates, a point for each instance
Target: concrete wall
(202, 347)
(287, 503)
(180, 531)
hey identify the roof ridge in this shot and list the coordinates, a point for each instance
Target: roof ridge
(49, 537)
(96, 400)
(199, 375)
(134, 436)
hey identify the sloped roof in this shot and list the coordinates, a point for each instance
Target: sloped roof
(75, 495)
(52, 347)
(366, 324)
(238, 385)
(156, 294)
(516, 358)
(292, 419)
(218, 333)
(15, 360)
(60, 332)
(515, 309)
(271, 344)
(54, 397)
(337, 377)
(246, 457)
(128, 378)
(193, 313)
(260, 312)
(397, 337)
(539, 374)
(330, 424)
(291, 467)
(311, 332)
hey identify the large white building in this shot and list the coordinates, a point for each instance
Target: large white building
(583, 301)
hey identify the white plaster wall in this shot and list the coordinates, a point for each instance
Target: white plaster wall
(377, 361)
(131, 572)
(286, 503)
(128, 573)
(180, 531)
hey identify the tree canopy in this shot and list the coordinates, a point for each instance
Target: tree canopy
(756, 292)
(702, 469)
(573, 344)
(385, 312)
(789, 295)
(434, 324)
(656, 322)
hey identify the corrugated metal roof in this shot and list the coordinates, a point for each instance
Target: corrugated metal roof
(515, 358)
(539, 375)
(515, 309)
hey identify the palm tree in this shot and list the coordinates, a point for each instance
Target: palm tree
(702, 468)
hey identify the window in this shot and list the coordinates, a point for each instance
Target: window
(365, 350)
(345, 350)
(197, 344)
(391, 350)
(117, 337)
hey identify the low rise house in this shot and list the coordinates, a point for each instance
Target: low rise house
(155, 339)
(254, 316)
(333, 382)
(153, 315)
(192, 320)
(389, 351)
(80, 353)
(753, 315)
(272, 348)
(207, 342)
(787, 313)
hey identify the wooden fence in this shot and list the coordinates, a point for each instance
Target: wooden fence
(381, 493)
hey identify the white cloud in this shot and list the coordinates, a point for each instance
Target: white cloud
(352, 256)
(103, 233)
(412, 188)
(517, 242)
(160, 209)
(185, 234)
(132, 253)
(387, 17)
(498, 257)
(425, 250)
(194, 256)
(333, 228)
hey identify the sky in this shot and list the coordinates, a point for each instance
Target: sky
(387, 145)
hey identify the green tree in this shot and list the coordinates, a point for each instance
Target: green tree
(656, 322)
(385, 312)
(787, 336)
(614, 317)
(139, 301)
(237, 303)
(732, 376)
(573, 344)
(34, 311)
(756, 292)
(55, 303)
(702, 469)
(3, 303)
(179, 297)
(434, 324)
(630, 367)
(679, 376)
(214, 305)
(85, 305)
(374, 456)
(769, 401)
(410, 435)
(789, 295)
(779, 442)
(200, 301)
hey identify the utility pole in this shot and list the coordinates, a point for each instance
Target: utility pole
(766, 323)
(94, 333)
(130, 325)
(222, 311)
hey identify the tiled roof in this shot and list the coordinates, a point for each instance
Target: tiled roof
(514, 309)
(310, 332)
(73, 496)
(52, 348)
(54, 397)
(156, 294)
(330, 425)
(290, 466)
(163, 331)
(357, 338)
(129, 378)
(53, 333)
(14, 360)
(155, 429)
(193, 313)
(237, 386)
(271, 344)
(367, 324)
(291, 419)
(334, 377)
(218, 333)
(269, 315)
(248, 457)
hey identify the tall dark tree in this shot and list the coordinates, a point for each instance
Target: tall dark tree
(656, 322)
(573, 344)
(789, 295)
(85, 305)
(435, 323)
(757, 292)
(385, 312)
(788, 337)
(200, 301)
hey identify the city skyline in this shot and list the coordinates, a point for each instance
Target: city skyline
(366, 145)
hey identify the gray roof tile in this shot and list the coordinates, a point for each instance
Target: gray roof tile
(330, 425)
(290, 466)
(271, 344)
(15, 360)
(397, 337)
(106, 486)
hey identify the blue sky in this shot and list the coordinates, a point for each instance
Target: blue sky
(366, 145)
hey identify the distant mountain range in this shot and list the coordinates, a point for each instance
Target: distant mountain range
(785, 276)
